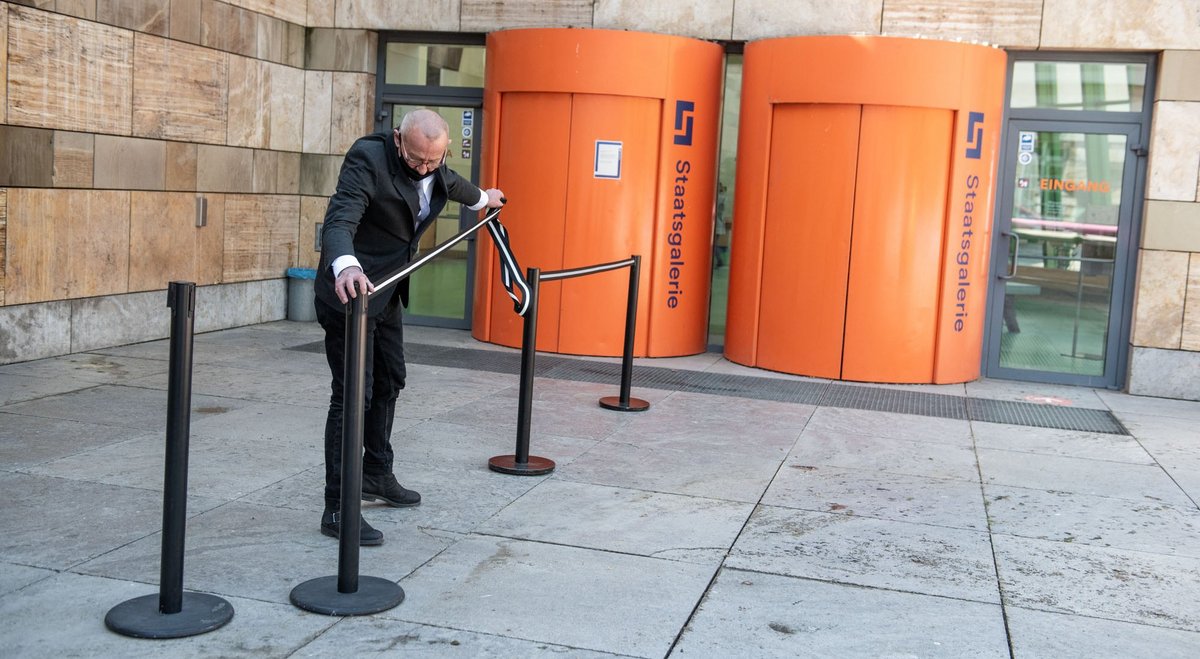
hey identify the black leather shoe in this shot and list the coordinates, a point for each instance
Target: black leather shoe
(386, 489)
(368, 536)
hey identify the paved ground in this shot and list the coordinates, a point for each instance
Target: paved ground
(708, 526)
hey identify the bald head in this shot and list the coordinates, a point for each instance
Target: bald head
(424, 123)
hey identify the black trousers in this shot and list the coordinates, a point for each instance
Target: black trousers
(385, 375)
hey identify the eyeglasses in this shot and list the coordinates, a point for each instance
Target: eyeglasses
(415, 163)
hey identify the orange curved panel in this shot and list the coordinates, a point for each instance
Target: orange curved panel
(895, 266)
(805, 263)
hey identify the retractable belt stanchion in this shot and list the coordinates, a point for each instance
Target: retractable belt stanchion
(347, 593)
(624, 403)
(521, 463)
(173, 613)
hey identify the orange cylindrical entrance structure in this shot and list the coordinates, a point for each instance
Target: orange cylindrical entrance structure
(605, 144)
(863, 207)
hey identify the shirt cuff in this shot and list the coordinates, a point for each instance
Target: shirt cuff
(483, 200)
(343, 262)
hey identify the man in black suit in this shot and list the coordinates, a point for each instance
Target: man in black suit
(391, 187)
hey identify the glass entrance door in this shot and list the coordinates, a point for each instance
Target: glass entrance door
(1062, 239)
(438, 293)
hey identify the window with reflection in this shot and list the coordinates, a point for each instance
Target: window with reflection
(434, 65)
(1094, 86)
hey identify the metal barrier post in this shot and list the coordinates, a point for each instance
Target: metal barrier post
(348, 594)
(173, 613)
(522, 463)
(625, 403)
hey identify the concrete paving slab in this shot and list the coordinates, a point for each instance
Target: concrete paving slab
(892, 424)
(26, 441)
(1118, 584)
(559, 407)
(1036, 392)
(442, 444)
(1122, 404)
(88, 367)
(594, 600)
(359, 637)
(118, 405)
(1148, 526)
(712, 474)
(245, 382)
(883, 495)
(707, 422)
(820, 447)
(57, 523)
(1038, 634)
(1164, 431)
(432, 391)
(292, 427)
(681, 528)
(1135, 482)
(76, 605)
(219, 467)
(235, 550)
(916, 558)
(1053, 441)
(19, 388)
(749, 614)
(15, 577)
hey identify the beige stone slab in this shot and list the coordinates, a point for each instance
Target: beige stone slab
(271, 39)
(1190, 339)
(440, 15)
(318, 109)
(319, 173)
(224, 169)
(74, 155)
(185, 20)
(711, 19)
(130, 163)
(1158, 306)
(181, 166)
(99, 239)
(1171, 225)
(228, 28)
(166, 245)
(266, 171)
(353, 103)
(294, 11)
(249, 122)
(137, 15)
(671, 17)
(179, 91)
(1010, 23)
(1179, 75)
(294, 55)
(287, 179)
(3, 241)
(341, 50)
(1174, 151)
(260, 236)
(758, 19)
(27, 157)
(1121, 24)
(286, 85)
(312, 216)
(77, 8)
(320, 13)
(68, 73)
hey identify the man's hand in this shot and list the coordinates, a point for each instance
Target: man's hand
(495, 198)
(350, 281)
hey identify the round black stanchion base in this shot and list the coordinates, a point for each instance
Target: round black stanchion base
(614, 403)
(321, 595)
(139, 617)
(507, 464)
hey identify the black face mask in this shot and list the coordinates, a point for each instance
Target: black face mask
(412, 173)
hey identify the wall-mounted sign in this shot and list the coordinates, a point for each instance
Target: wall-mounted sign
(608, 160)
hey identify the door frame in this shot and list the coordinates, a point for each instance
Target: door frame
(1137, 125)
(460, 97)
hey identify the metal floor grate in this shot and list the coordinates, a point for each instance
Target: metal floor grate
(825, 394)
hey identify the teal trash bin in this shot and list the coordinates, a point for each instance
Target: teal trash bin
(300, 294)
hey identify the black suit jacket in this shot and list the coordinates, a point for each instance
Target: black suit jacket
(372, 213)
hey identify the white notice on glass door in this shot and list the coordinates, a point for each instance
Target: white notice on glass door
(608, 160)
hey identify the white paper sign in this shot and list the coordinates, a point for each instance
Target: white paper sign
(608, 160)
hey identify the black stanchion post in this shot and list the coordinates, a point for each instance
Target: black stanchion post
(522, 463)
(624, 403)
(348, 594)
(174, 613)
